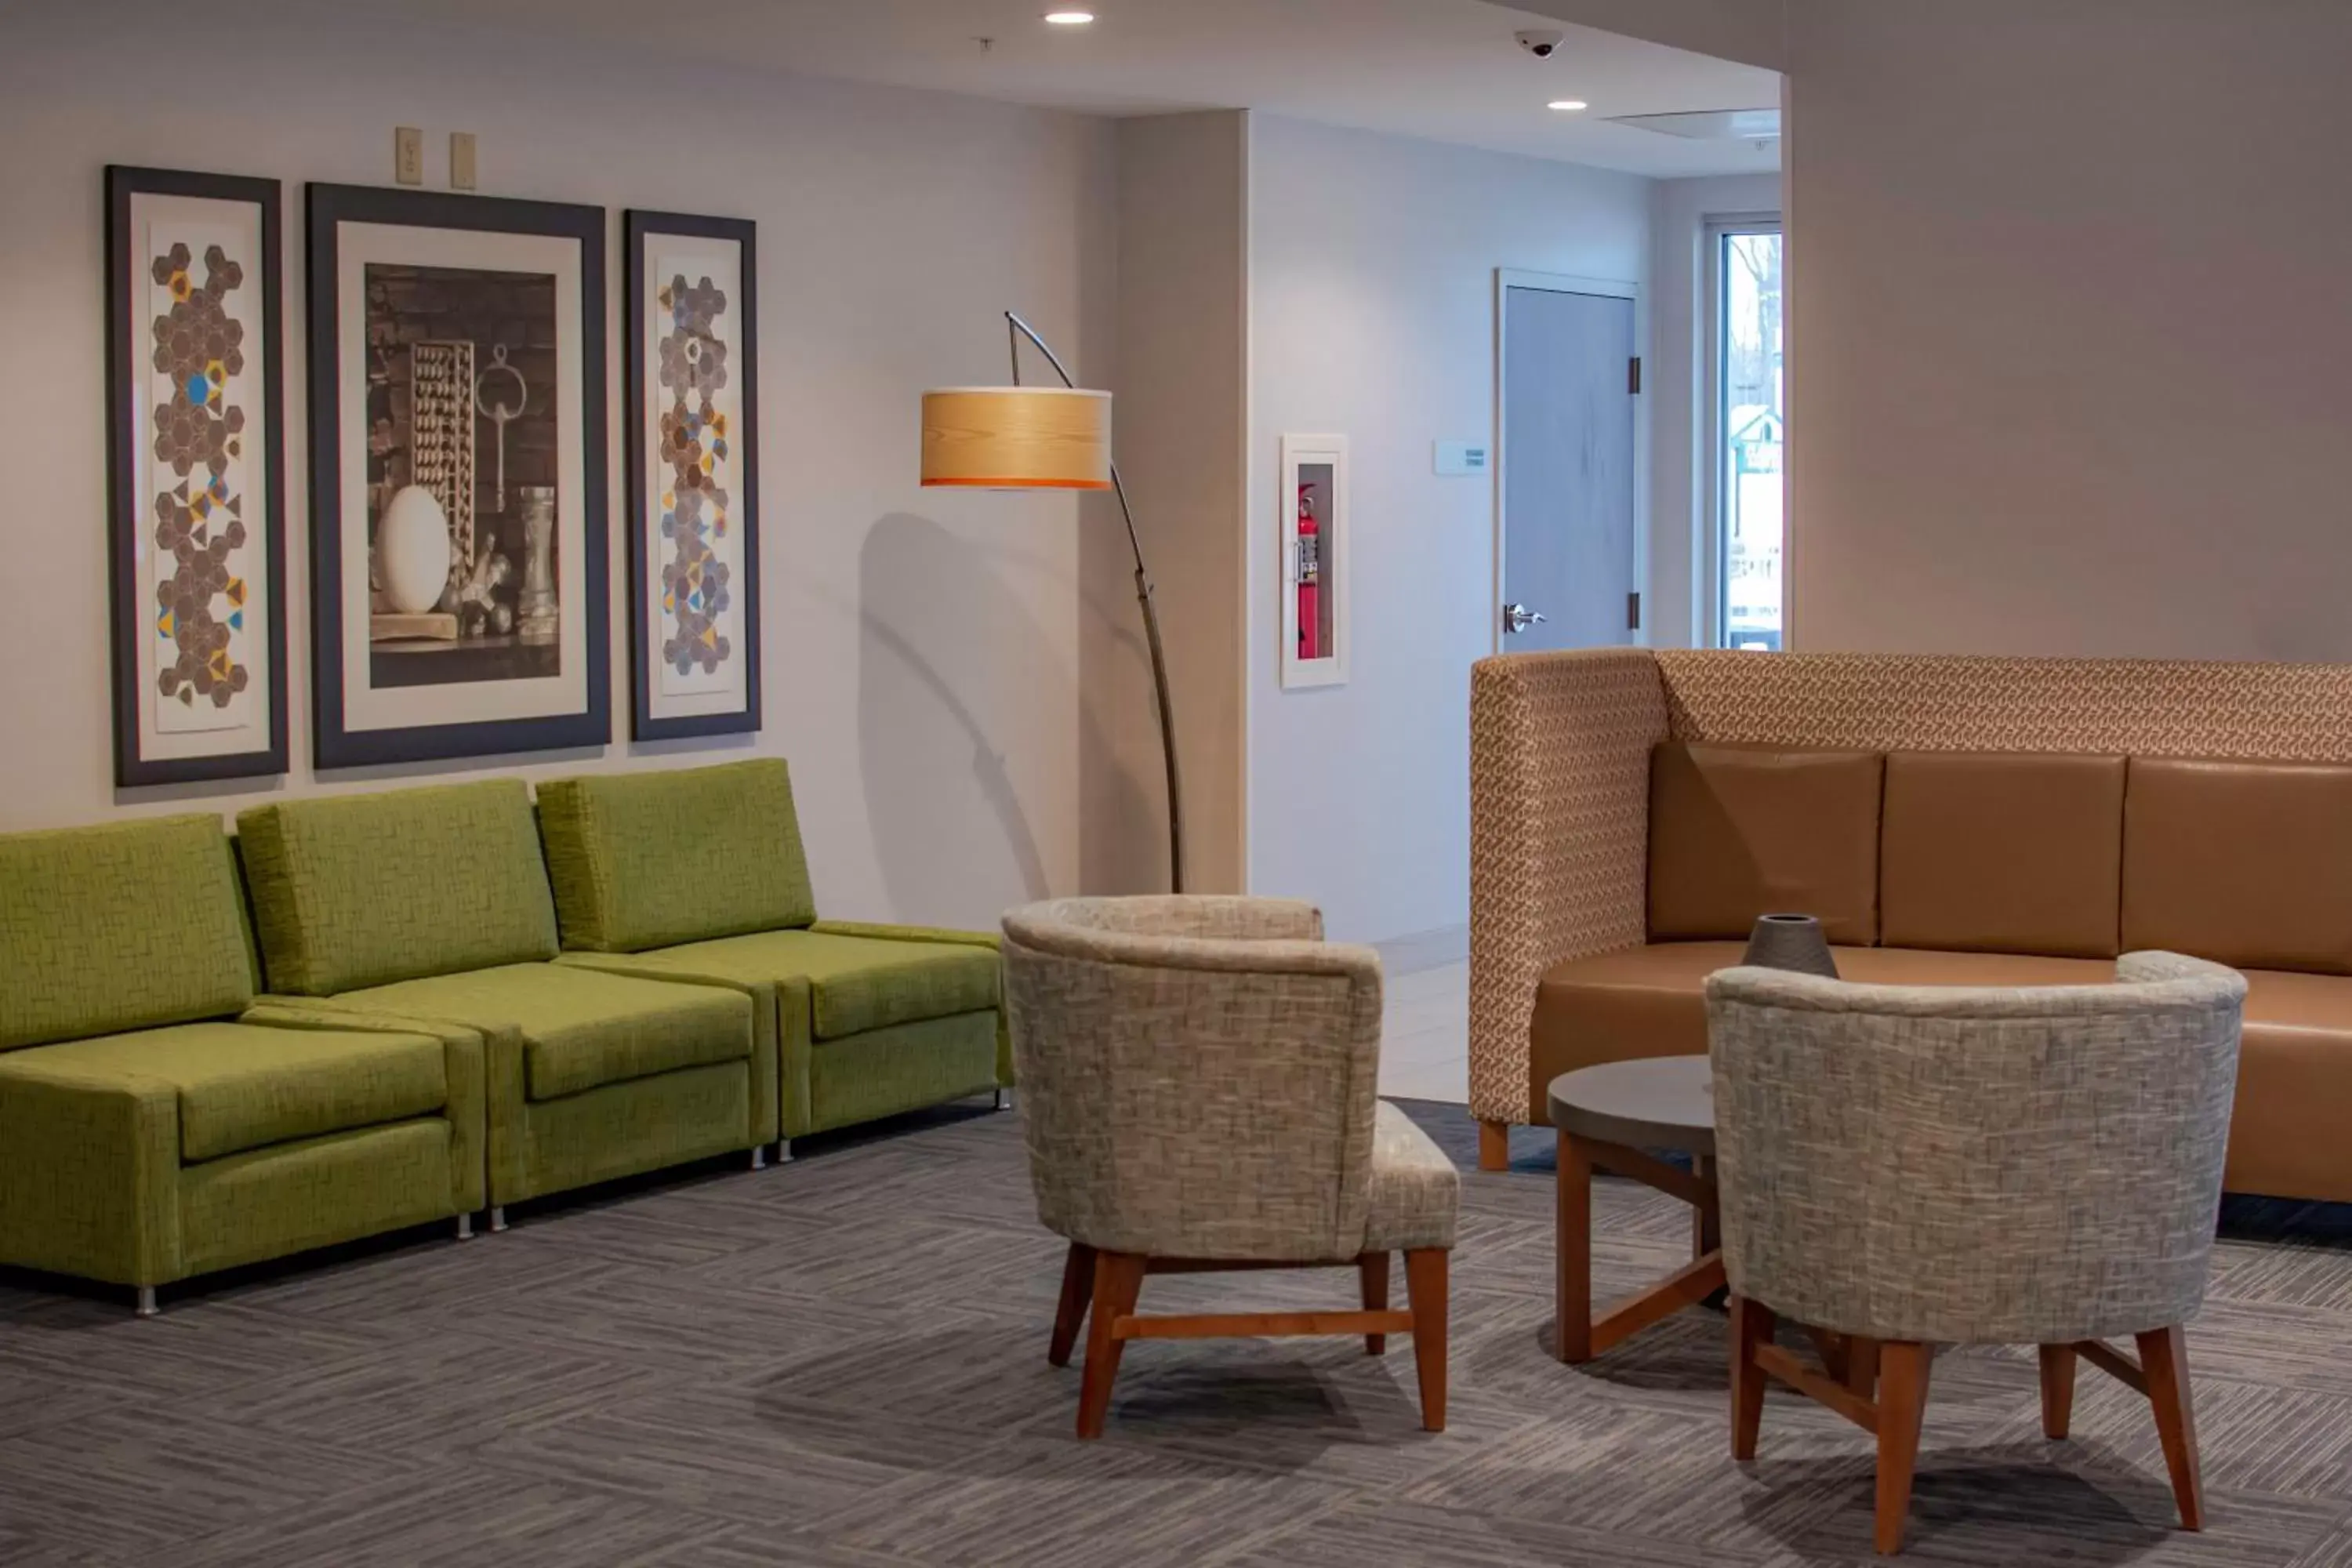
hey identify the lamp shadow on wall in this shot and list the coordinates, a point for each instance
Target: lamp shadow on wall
(931, 607)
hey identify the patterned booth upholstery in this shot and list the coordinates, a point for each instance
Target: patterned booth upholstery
(1906, 1166)
(1198, 1083)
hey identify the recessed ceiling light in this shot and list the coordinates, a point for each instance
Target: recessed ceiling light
(1069, 18)
(1567, 105)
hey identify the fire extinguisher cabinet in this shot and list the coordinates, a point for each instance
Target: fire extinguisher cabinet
(1315, 559)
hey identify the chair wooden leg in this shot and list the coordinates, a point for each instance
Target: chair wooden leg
(1118, 1280)
(2057, 1390)
(1070, 1316)
(1425, 1290)
(1752, 1325)
(1494, 1145)
(1374, 1268)
(1861, 1365)
(2163, 1359)
(1902, 1401)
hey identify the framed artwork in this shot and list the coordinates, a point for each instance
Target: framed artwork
(195, 461)
(694, 474)
(459, 588)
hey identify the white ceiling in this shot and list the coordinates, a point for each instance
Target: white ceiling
(1444, 70)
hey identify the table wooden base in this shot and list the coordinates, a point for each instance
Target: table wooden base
(1580, 1335)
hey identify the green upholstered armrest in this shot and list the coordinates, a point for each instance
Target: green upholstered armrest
(464, 1063)
(876, 933)
(90, 1170)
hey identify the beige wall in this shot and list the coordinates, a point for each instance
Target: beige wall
(1373, 316)
(1184, 341)
(2070, 324)
(922, 648)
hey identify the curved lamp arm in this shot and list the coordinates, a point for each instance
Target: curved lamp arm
(1016, 330)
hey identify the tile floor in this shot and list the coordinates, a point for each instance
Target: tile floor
(1425, 1049)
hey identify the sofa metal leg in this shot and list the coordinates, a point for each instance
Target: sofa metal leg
(465, 1227)
(498, 1219)
(783, 1151)
(760, 1158)
(1003, 1098)
(147, 1308)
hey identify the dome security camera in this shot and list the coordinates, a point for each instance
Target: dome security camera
(1541, 42)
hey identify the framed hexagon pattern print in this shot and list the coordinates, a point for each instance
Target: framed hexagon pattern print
(196, 541)
(694, 475)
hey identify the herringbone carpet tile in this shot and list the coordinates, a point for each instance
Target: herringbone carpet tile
(840, 1364)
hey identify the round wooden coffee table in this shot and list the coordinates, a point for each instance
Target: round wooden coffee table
(1609, 1118)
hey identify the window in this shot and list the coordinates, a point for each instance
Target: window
(1751, 427)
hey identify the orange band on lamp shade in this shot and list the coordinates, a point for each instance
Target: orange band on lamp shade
(1017, 438)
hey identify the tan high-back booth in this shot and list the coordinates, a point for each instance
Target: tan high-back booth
(1953, 820)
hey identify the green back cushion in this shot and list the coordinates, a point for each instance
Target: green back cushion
(644, 860)
(125, 927)
(364, 890)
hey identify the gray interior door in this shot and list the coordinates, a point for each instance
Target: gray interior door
(1567, 467)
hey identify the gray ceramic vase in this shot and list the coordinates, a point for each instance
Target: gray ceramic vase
(1793, 942)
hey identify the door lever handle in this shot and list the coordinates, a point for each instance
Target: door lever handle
(1518, 617)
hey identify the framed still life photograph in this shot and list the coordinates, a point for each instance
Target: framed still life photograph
(196, 537)
(694, 475)
(457, 442)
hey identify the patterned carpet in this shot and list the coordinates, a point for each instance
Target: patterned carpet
(842, 1363)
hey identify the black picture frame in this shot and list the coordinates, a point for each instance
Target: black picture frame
(329, 207)
(638, 228)
(128, 322)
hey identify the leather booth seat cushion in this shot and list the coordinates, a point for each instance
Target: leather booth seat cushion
(2249, 864)
(1740, 831)
(1649, 1002)
(2294, 1087)
(2001, 852)
(2294, 1064)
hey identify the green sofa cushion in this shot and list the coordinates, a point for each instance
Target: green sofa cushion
(855, 983)
(362, 889)
(642, 860)
(580, 1028)
(122, 927)
(241, 1086)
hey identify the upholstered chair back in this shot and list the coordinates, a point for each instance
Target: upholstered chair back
(1197, 1075)
(1958, 1165)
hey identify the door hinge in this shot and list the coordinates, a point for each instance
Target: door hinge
(1633, 602)
(1633, 375)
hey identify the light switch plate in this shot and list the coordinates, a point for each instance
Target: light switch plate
(461, 160)
(1456, 459)
(408, 155)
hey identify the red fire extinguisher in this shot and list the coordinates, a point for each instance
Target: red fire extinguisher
(1310, 577)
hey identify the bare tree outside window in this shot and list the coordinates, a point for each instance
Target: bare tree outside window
(1750, 433)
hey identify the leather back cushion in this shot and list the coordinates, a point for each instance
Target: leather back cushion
(1740, 831)
(2245, 863)
(2001, 852)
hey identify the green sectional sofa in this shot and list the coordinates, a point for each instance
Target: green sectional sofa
(699, 876)
(147, 1135)
(428, 909)
(381, 1025)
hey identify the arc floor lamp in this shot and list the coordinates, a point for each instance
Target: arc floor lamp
(1021, 437)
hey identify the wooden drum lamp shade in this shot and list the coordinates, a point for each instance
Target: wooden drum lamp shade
(1017, 438)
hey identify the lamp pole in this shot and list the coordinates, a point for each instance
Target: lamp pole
(1016, 330)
